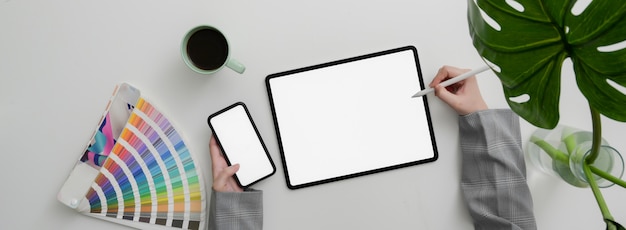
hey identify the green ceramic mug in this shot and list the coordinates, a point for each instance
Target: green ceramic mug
(205, 50)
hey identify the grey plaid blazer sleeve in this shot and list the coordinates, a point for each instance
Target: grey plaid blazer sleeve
(493, 178)
(236, 210)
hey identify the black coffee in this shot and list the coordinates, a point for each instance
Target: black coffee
(207, 49)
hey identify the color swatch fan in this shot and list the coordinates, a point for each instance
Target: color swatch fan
(137, 170)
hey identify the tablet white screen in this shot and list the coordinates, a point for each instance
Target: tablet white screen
(351, 118)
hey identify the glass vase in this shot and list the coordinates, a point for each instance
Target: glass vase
(562, 151)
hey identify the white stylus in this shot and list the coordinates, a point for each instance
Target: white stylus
(452, 80)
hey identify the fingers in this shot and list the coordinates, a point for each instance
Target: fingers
(448, 94)
(217, 160)
(227, 173)
(230, 171)
(445, 95)
(223, 181)
(215, 150)
(464, 96)
(445, 73)
(441, 75)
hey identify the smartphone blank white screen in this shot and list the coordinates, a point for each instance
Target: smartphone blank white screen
(241, 144)
(351, 117)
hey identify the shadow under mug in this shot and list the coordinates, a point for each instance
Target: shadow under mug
(205, 50)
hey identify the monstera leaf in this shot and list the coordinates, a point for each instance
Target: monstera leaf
(526, 41)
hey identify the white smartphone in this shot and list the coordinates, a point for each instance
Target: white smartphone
(240, 142)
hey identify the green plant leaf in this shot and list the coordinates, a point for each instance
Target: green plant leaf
(526, 42)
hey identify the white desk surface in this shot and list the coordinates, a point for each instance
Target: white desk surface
(59, 62)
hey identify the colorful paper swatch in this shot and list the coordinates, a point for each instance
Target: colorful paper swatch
(148, 179)
(149, 175)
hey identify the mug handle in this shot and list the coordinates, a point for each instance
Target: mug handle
(235, 65)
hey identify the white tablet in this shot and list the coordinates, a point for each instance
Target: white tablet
(351, 117)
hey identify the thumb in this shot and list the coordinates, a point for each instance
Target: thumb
(231, 170)
(227, 173)
(224, 181)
